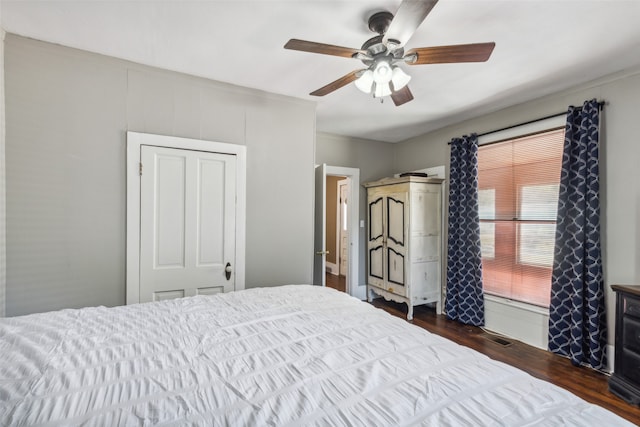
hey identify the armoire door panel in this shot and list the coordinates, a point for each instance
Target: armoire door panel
(395, 267)
(426, 206)
(425, 248)
(376, 221)
(396, 219)
(426, 275)
(376, 262)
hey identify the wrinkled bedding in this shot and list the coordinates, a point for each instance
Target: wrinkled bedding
(283, 356)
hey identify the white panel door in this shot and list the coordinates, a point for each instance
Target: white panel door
(320, 227)
(187, 223)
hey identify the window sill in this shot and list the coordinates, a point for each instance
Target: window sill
(517, 304)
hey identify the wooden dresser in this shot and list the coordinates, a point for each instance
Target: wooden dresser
(404, 240)
(625, 381)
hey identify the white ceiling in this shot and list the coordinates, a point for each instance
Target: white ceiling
(541, 47)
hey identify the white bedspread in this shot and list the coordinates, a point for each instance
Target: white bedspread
(286, 356)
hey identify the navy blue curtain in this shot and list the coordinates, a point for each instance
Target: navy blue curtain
(464, 295)
(577, 324)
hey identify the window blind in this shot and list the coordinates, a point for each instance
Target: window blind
(518, 182)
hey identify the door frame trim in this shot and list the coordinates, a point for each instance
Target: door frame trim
(343, 182)
(354, 287)
(134, 141)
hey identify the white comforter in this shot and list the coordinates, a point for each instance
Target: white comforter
(285, 356)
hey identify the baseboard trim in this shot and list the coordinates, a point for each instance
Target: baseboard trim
(610, 349)
(332, 268)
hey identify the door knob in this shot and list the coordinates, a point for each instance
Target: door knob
(322, 253)
(227, 270)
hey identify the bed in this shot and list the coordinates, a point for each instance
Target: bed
(282, 356)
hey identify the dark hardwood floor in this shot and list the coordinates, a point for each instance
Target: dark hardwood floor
(590, 385)
(336, 282)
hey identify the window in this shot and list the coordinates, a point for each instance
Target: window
(486, 208)
(518, 184)
(538, 203)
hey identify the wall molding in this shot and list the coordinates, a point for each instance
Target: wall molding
(524, 322)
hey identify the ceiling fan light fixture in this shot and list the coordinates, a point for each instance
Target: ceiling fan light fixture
(365, 81)
(382, 53)
(382, 72)
(399, 78)
(382, 89)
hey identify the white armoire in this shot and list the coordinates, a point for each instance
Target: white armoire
(404, 240)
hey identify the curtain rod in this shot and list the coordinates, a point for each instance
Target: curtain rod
(600, 105)
(551, 116)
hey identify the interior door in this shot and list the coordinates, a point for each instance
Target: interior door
(320, 221)
(344, 229)
(187, 223)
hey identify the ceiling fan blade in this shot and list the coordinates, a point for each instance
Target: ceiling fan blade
(335, 85)
(477, 52)
(407, 19)
(401, 96)
(325, 49)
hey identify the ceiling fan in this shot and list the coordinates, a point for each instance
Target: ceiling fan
(381, 53)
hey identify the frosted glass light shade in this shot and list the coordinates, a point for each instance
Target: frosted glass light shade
(399, 78)
(382, 73)
(382, 89)
(365, 81)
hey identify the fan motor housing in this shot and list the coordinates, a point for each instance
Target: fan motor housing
(374, 46)
(379, 23)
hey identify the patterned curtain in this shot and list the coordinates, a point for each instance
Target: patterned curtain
(465, 299)
(577, 324)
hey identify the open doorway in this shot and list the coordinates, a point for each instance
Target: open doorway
(337, 231)
(327, 237)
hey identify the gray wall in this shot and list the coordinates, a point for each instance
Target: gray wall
(3, 257)
(67, 113)
(620, 174)
(373, 158)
